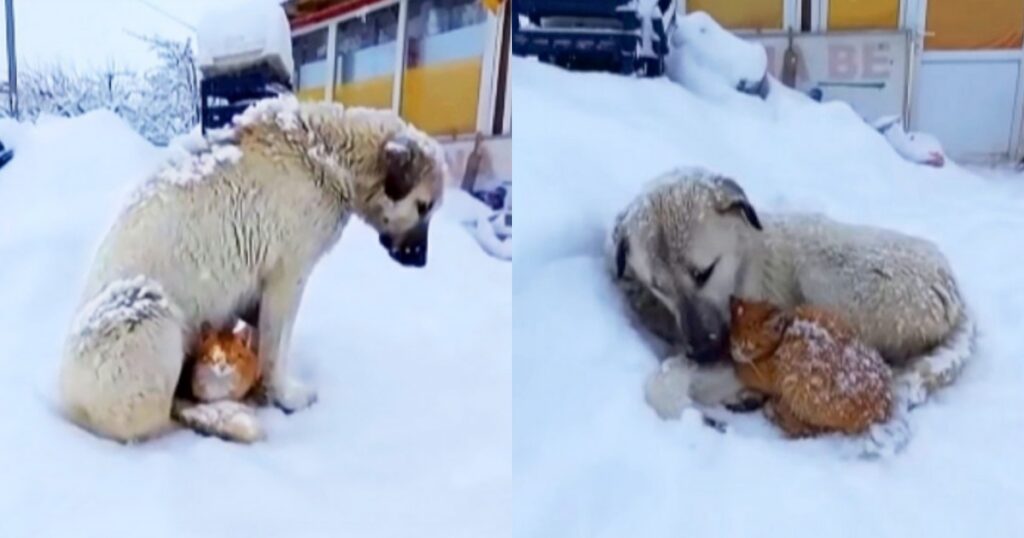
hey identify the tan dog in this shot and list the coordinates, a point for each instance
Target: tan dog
(820, 378)
(234, 230)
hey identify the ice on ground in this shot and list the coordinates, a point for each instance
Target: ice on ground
(410, 435)
(592, 459)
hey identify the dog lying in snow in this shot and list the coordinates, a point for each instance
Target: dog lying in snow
(820, 378)
(692, 240)
(235, 230)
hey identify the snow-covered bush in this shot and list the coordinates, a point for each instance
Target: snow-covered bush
(159, 103)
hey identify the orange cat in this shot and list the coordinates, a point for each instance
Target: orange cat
(820, 378)
(226, 366)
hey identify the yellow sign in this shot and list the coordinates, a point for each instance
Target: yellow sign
(493, 5)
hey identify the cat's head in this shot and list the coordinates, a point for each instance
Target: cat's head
(225, 345)
(756, 329)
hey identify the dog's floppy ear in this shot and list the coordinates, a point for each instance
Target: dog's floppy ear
(621, 253)
(397, 157)
(730, 197)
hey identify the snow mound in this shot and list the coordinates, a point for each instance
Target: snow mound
(592, 458)
(711, 61)
(409, 436)
(243, 34)
(483, 223)
(915, 146)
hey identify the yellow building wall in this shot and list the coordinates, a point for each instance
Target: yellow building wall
(441, 98)
(747, 14)
(312, 94)
(863, 14)
(373, 93)
(974, 24)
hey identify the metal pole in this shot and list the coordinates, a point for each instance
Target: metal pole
(400, 52)
(12, 61)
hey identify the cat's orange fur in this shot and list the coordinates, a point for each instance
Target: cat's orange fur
(226, 366)
(819, 377)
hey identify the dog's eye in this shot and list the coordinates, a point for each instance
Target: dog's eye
(423, 208)
(700, 277)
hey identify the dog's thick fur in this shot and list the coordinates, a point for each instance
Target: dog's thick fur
(235, 230)
(692, 240)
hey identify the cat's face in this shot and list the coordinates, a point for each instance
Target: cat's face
(756, 329)
(226, 365)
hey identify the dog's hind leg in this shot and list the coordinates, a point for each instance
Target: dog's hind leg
(928, 373)
(122, 362)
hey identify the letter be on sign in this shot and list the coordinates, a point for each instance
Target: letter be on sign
(842, 62)
(876, 61)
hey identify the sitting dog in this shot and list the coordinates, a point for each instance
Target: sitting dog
(234, 229)
(820, 378)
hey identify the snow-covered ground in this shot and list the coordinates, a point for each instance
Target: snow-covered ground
(591, 459)
(411, 435)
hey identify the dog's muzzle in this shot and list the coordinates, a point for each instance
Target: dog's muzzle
(411, 249)
(705, 334)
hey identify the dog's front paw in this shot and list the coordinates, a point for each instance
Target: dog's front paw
(668, 390)
(291, 395)
(746, 401)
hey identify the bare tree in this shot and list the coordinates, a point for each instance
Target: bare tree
(160, 103)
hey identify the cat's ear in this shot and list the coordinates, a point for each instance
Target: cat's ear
(247, 334)
(779, 321)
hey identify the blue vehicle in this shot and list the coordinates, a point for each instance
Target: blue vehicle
(242, 63)
(594, 35)
(224, 95)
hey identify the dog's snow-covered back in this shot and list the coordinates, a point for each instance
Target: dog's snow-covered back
(234, 228)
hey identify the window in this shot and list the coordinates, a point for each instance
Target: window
(310, 52)
(863, 14)
(742, 14)
(365, 68)
(444, 56)
(978, 24)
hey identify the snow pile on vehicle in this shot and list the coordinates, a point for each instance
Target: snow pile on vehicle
(592, 459)
(410, 435)
(244, 34)
(711, 61)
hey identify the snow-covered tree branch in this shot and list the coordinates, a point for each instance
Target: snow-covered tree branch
(160, 103)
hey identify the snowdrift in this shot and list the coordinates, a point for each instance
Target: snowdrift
(592, 460)
(410, 435)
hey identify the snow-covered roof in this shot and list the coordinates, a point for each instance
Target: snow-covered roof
(243, 34)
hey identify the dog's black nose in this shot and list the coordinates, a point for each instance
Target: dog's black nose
(706, 353)
(410, 255)
(386, 241)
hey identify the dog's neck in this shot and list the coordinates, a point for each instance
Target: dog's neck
(340, 147)
(767, 271)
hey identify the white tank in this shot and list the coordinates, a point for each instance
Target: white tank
(245, 34)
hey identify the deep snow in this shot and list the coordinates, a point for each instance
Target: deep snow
(411, 434)
(591, 459)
